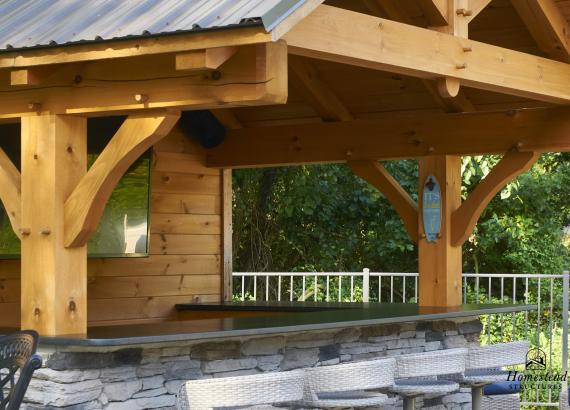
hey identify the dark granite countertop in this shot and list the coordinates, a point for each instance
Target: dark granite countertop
(299, 316)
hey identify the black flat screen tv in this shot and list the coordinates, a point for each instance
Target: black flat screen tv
(123, 230)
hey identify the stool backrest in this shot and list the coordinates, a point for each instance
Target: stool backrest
(17, 354)
(497, 355)
(438, 362)
(264, 388)
(371, 374)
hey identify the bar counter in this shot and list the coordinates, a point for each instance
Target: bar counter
(237, 319)
(144, 365)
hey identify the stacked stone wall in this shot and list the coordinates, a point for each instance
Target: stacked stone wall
(150, 376)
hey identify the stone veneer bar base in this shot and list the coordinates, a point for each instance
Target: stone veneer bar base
(149, 376)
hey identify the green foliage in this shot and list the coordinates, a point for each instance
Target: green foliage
(323, 218)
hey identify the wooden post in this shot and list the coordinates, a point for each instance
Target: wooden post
(227, 233)
(54, 278)
(440, 262)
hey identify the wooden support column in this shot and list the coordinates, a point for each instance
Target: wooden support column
(440, 262)
(54, 278)
(227, 231)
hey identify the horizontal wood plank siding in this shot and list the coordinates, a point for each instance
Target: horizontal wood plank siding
(185, 245)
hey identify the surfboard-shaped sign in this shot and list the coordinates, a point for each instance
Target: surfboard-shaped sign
(431, 208)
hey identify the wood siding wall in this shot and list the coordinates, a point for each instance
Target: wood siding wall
(185, 245)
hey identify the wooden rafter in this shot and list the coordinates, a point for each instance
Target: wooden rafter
(376, 175)
(542, 130)
(331, 34)
(432, 9)
(10, 191)
(547, 25)
(323, 100)
(254, 76)
(464, 219)
(85, 205)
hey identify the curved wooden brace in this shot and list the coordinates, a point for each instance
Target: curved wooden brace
(464, 219)
(85, 205)
(375, 174)
(10, 186)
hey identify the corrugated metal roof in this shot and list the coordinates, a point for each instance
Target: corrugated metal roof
(40, 23)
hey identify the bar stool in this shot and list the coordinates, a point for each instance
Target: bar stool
(345, 385)
(485, 364)
(265, 388)
(416, 374)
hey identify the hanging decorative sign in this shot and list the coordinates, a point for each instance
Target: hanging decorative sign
(431, 209)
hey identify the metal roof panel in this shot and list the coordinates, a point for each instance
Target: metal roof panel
(33, 23)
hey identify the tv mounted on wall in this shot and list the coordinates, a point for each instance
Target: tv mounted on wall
(124, 226)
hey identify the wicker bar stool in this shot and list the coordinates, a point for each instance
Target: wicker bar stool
(484, 366)
(345, 385)
(258, 389)
(416, 374)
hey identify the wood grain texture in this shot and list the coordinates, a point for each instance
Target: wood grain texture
(358, 39)
(85, 205)
(54, 278)
(440, 265)
(143, 290)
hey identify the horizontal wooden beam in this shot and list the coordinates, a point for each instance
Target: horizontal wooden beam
(134, 47)
(254, 76)
(344, 36)
(541, 130)
(376, 175)
(464, 219)
(85, 205)
(10, 191)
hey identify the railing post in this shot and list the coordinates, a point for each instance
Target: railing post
(366, 285)
(565, 290)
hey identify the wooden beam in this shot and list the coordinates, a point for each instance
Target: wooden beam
(200, 60)
(394, 11)
(347, 37)
(85, 205)
(254, 76)
(465, 218)
(54, 278)
(547, 25)
(541, 130)
(10, 191)
(376, 175)
(323, 100)
(440, 264)
(134, 48)
(227, 232)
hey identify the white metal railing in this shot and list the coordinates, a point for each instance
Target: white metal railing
(550, 318)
